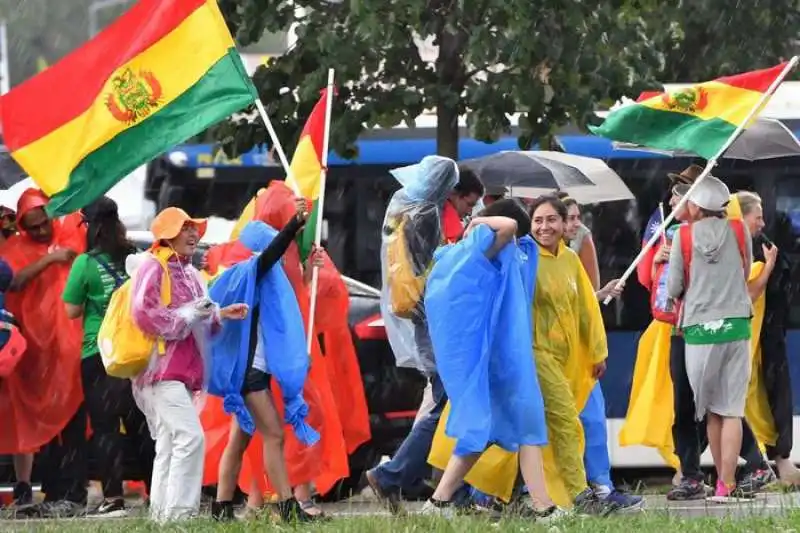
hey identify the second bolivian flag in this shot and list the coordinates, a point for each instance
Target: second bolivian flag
(306, 167)
(698, 119)
(163, 72)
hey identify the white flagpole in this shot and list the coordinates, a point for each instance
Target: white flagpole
(709, 167)
(320, 205)
(276, 144)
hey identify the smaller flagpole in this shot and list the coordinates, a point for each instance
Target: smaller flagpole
(706, 171)
(276, 144)
(323, 175)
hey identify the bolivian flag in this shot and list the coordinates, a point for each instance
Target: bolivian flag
(306, 167)
(698, 119)
(163, 72)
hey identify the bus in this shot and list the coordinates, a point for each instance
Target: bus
(358, 192)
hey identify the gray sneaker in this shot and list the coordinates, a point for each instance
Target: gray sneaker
(689, 489)
(391, 500)
(62, 509)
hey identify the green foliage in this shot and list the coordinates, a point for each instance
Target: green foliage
(552, 60)
(710, 38)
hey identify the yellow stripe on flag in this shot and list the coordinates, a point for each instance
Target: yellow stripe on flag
(306, 169)
(199, 36)
(710, 100)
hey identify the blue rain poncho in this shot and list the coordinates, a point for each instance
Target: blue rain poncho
(479, 317)
(281, 332)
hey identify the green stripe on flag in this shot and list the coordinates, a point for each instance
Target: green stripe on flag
(222, 91)
(666, 130)
(306, 239)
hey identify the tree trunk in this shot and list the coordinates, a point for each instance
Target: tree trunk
(447, 131)
(451, 73)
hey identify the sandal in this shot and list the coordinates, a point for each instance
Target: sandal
(312, 509)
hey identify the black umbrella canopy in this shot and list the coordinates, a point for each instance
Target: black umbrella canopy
(526, 169)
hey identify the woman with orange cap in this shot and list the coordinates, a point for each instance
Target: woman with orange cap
(165, 390)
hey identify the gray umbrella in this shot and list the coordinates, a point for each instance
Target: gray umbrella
(531, 174)
(766, 138)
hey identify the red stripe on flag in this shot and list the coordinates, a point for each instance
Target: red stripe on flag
(64, 91)
(646, 95)
(757, 80)
(315, 125)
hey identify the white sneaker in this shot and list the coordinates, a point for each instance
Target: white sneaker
(443, 509)
(551, 517)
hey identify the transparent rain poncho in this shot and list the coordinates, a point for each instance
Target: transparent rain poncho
(185, 325)
(411, 233)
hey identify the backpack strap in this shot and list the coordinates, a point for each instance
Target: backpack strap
(118, 280)
(686, 251)
(738, 229)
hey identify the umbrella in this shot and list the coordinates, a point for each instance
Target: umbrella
(766, 138)
(534, 173)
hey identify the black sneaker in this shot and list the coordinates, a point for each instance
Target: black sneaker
(291, 512)
(689, 489)
(587, 503)
(23, 494)
(391, 500)
(222, 511)
(109, 509)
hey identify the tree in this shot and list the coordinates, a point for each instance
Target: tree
(552, 60)
(705, 39)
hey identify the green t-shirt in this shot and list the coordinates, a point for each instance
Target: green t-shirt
(718, 332)
(90, 285)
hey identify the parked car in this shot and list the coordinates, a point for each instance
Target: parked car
(393, 394)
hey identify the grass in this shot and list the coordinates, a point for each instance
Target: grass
(655, 522)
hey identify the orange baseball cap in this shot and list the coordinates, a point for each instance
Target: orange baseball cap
(169, 223)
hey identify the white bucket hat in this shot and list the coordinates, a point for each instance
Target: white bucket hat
(711, 194)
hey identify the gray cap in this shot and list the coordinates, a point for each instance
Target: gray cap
(711, 194)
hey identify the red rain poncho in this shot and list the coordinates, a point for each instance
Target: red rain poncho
(333, 306)
(44, 391)
(324, 463)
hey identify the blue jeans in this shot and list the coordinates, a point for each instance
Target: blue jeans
(409, 467)
(595, 456)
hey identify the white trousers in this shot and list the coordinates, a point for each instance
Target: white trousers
(180, 452)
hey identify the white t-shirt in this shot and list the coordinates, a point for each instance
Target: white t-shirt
(259, 357)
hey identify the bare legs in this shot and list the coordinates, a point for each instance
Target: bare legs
(725, 439)
(23, 467)
(269, 425)
(530, 462)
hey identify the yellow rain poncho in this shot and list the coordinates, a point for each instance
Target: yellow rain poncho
(651, 408)
(569, 340)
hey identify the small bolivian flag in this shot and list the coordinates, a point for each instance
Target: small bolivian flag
(306, 169)
(698, 119)
(163, 72)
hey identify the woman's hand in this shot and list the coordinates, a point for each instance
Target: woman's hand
(302, 208)
(611, 290)
(599, 370)
(315, 260)
(662, 255)
(234, 312)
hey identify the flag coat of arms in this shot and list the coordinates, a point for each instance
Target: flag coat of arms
(697, 119)
(163, 72)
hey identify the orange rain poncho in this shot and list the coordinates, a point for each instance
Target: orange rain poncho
(44, 391)
(324, 463)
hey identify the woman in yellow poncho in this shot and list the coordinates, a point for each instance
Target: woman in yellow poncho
(570, 351)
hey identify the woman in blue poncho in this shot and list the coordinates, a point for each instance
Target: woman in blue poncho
(247, 356)
(483, 352)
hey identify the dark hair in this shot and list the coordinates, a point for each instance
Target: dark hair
(712, 214)
(468, 183)
(553, 201)
(566, 199)
(510, 208)
(105, 232)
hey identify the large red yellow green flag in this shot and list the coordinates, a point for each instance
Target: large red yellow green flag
(698, 119)
(306, 168)
(161, 73)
